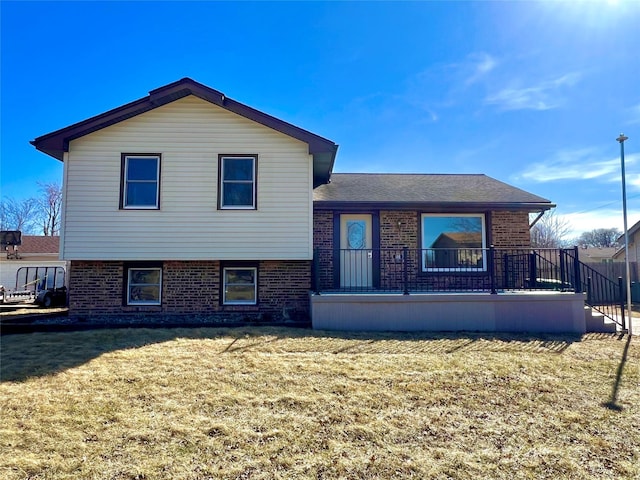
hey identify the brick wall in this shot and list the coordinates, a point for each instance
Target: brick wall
(284, 288)
(190, 286)
(97, 289)
(510, 229)
(323, 246)
(323, 229)
(399, 228)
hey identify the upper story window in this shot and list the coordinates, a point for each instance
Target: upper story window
(140, 181)
(237, 188)
(453, 242)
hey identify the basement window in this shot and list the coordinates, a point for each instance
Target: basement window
(240, 286)
(144, 285)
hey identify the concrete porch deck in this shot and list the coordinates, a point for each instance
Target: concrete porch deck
(529, 311)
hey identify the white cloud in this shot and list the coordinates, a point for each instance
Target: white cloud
(602, 218)
(444, 86)
(480, 65)
(545, 95)
(579, 164)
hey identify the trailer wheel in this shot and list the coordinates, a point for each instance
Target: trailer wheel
(47, 301)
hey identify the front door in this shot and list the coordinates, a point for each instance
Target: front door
(356, 254)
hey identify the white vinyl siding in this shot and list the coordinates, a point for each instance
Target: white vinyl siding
(190, 134)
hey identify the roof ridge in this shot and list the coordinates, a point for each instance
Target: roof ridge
(323, 150)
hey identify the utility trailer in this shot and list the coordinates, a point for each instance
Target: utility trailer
(41, 285)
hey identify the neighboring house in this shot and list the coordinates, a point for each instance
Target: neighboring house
(634, 245)
(186, 201)
(598, 254)
(34, 251)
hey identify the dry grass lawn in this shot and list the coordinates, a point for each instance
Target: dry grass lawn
(279, 403)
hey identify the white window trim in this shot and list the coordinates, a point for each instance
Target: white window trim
(130, 284)
(461, 269)
(252, 182)
(126, 182)
(224, 286)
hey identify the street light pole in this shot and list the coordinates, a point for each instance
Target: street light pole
(621, 139)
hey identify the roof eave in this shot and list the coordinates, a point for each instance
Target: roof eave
(323, 150)
(434, 206)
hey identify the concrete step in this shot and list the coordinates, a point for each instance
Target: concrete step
(597, 323)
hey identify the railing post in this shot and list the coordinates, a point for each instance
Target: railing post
(316, 271)
(405, 270)
(492, 269)
(505, 272)
(589, 298)
(563, 268)
(533, 271)
(576, 270)
(622, 295)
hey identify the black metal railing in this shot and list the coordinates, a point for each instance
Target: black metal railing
(603, 294)
(406, 270)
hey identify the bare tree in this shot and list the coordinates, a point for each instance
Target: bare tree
(550, 231)
(50, 208)
(599, 237)
(19, 215)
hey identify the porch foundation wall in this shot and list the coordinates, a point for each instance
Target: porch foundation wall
(534, 312)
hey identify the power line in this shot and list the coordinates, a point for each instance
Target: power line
(604, 205)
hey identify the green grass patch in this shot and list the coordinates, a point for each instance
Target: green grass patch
(267, 403)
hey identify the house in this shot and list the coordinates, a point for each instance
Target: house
(634, 245)
(33, 251)
(188, 202)
(598, 254)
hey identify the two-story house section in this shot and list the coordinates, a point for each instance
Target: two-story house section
(186, 201)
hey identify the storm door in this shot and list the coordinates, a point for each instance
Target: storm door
(356, 251)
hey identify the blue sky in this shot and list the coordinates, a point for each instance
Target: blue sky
(530, 93)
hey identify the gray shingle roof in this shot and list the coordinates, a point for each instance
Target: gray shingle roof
(424, 189)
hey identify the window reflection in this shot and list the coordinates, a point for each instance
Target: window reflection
(453, 242)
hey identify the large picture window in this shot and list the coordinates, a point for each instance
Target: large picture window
(140, 181)
(237, 189)
(240, 286)
(453, 242)
(144, 286)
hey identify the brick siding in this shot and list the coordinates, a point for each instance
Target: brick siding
(323, 229)
(191, 287)
(95, 287)
(323, 245)
(510, 230)
(401, 228)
